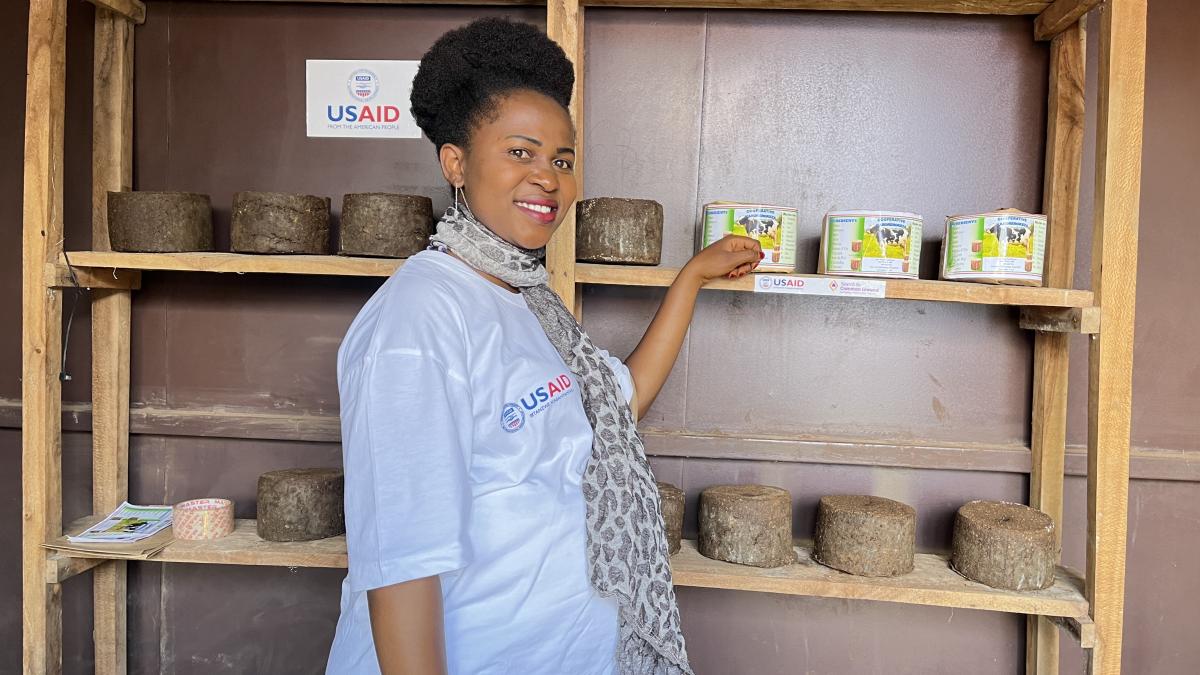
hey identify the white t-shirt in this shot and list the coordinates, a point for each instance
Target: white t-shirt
(464, 442)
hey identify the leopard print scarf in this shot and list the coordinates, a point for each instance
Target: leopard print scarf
(627, 546)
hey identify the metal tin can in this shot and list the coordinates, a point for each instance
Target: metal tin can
(871, 244)
(773, 226)
(1001, 247)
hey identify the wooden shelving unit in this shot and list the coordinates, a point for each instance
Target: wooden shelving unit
(1090, 605)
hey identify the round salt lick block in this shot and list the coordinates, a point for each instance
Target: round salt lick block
(300, 504)
(159, 222)
(276, 222)
(747, 524)
(1005, 545)
(865, 535)
(670, 500)
(385, 225)
(617, 230)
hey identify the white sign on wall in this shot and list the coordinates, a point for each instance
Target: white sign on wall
(814, 285)
(360, 99)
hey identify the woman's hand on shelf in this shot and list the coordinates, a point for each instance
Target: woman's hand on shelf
(731, 257)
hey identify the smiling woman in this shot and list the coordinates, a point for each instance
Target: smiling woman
(501, 515)
(520, 185)
(508, 144)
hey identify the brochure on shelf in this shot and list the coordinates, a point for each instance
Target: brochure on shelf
(131, 532)
(127, 524)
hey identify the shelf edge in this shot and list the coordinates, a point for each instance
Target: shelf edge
(896, 289)
(689, 569)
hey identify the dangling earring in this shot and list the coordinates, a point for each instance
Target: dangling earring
(463, 209)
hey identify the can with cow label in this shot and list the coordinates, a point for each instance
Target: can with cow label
(773, 226)
(1001, 247)
(871, 244)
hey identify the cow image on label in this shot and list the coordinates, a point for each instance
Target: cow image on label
(1010, 233)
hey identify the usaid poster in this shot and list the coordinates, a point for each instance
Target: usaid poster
(360, 99)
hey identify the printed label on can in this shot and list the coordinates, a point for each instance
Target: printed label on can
(773, 227)
(995, 247)
(887, 245)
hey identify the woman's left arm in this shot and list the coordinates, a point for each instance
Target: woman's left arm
(651, 361)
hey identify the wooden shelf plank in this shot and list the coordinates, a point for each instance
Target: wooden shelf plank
(243, 547)
(621, 275)
(941, 291)
(931, 583)
(239, 263)
(1006, 7)
(405, 2)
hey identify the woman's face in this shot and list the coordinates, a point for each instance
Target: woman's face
(518, 174)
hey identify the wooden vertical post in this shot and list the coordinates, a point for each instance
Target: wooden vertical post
(112, 169)
(1114, 275)
(112, 117)
(41, 334)
(564, 25)
(110, 465)
(1064, 152)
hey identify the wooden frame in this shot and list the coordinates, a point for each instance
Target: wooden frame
(41, 333)
(1122, 80)
(1090, 608)
(112, 169)
(1064, 151)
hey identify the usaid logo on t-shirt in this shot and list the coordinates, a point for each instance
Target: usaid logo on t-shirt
(512, 415)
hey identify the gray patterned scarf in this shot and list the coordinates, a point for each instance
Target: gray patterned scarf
(627, 546)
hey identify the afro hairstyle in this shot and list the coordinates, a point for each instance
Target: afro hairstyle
(468, 71)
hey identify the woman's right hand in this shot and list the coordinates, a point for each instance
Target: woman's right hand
(732, 256)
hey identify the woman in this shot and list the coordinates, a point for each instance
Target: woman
(501, 516)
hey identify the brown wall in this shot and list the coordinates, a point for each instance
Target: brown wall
(924, 402)
(13, 19)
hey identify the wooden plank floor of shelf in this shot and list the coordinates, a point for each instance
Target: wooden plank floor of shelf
(904, 289)
(242, 547)
(236, 263)
(932, 582)
(621, 275)
(1000, 7)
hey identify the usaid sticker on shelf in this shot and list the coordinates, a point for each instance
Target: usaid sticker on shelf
(850, 288)
(360, 99)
